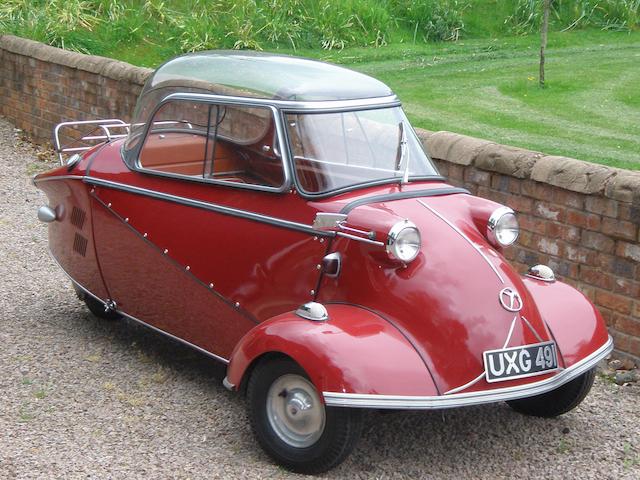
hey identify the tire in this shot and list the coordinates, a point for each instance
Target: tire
(558, 401)
(315, 442)
(95, 306)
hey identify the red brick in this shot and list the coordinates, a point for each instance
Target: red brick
(587, 290)
(627, 325)
(505, 183)
(456, 172)
(597, 241)
(550, 246)
(595, 277)
(636, 308)
(619, 228)
(570, 199)
(580, 255)
(601, 206)
(520, 204)
(628, 250)
(589, 221)
(537, 190)
(621, 341)
(615, 302)
(531, 223)
(565, 270)
(549, 211)
(626, 287)
(567, 233)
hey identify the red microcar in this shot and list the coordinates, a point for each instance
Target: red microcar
(280, 215)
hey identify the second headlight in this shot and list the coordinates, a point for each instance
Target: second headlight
(502, 228)
(404, 241)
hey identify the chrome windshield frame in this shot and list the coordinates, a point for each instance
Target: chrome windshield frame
(279, 109)
(357, 186)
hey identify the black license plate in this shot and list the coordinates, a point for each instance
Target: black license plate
(519, 362)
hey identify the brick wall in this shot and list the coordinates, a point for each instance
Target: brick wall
(41, 86)
(579, 218)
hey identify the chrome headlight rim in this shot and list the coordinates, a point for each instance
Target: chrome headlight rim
(494, 224)
(395, 233)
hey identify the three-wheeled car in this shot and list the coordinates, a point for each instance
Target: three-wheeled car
(280, 215)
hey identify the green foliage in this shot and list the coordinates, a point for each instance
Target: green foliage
(433, 20)
(618, 15)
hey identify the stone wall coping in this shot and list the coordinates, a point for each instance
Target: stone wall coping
(564, 172)
(567, 173)
(107, 67)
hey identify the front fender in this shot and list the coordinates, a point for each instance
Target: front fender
(355, 351)
(576, 324)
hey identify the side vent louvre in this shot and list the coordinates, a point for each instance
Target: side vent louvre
(77, 217)
(80, 244)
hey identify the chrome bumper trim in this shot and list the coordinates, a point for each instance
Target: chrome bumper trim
(360, 400)
(228, 385)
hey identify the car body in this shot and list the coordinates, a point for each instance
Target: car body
(280, 215)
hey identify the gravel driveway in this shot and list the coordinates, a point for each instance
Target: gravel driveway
(85, 398)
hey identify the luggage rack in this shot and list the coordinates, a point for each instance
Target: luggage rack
(92, 138)
(102, 132)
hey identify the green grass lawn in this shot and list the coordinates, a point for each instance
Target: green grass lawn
(484, 85)
(590, 109)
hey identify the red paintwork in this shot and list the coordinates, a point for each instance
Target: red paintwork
(357, 351)
(432, 321)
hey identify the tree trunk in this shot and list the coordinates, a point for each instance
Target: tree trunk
(543, 38)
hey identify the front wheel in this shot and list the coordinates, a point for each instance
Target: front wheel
(558, 401)
(292, 424)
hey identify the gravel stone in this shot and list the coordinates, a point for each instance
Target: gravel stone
(85, 398)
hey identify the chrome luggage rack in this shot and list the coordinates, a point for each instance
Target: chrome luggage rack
(92, 138)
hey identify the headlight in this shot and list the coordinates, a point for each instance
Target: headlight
(503, 228)
(404, 241)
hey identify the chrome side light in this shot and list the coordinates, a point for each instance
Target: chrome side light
(542, 272)
(404, 241)
(313, 311)
(47, 214)
(73, 161)
(503, 229)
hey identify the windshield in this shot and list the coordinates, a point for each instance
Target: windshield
(332, 151)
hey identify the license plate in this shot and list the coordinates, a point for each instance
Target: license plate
(519, 362)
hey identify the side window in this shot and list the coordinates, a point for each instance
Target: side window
(227, 143)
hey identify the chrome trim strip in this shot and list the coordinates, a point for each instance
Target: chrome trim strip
(37, 179)
(257, 217)
(533, 330)
(124, 314)
(360, 239)
(481, 376)
(466, 385)
(178, 339)
(357, 400)
(389, 197)
(476, 247)
(292, 105)
(513, 324)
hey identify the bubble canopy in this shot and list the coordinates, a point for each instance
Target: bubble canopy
(252, 75)
(265, 75)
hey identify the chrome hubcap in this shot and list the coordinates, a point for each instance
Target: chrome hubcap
(294, 411)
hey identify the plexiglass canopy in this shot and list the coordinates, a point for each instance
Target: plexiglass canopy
(265, 75)
(254, 75)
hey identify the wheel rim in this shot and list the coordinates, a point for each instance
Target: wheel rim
(295, 411)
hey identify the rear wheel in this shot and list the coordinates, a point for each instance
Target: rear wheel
(558, 401)
(292, 424)
(95, 306)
